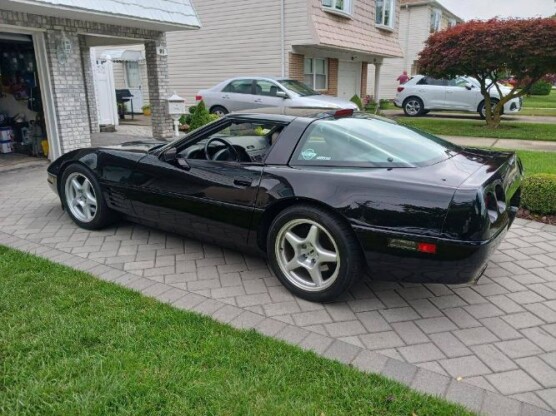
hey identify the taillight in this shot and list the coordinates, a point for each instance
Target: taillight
(198, 98)
(400, 89)
(426, 248)
(347, 112)
(491, 206)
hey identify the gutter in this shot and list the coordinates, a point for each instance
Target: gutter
(283, 37)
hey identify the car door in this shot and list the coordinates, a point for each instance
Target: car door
(432, 91)
(459, 96)
(238, 95)
(207, 199)
(266, 94)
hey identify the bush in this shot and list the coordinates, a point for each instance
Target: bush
(539, 194)
(200, 117)
(357, 101)
(541, 88)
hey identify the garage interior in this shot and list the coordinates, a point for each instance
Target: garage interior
(22, 127)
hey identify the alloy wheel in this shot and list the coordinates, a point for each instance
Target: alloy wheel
(413, 107)
(80, 197)
(307, 255)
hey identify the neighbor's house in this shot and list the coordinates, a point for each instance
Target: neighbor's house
(418, 20)
(329, 44)
(53, 38)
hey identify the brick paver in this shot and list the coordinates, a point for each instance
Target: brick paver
(470, 343)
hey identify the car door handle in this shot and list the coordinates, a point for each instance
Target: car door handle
(242, 182)
(226, 97)
(258, 100)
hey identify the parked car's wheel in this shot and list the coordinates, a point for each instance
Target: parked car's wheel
(314, 254)
(219, 111)
(83, 200)
(413, 107)
(482, 107)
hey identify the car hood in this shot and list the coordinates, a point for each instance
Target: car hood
(140, 146)
(325, 101)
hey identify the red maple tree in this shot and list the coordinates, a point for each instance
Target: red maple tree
(489, 50)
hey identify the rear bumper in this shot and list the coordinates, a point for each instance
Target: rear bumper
(455, 262)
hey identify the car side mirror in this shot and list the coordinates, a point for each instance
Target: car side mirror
(469, 86)
(281, 94)
(169, 155)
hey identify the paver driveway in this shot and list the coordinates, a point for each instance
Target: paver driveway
(499, 335)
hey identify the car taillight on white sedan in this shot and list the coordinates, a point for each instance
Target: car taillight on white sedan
(198, 98)
(400, 89)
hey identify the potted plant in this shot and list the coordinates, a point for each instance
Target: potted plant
(146, 109)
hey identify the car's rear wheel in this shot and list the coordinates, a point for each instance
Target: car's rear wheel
(413, 107)
(219, 111)
(82, 197)
(482, 107)
(314, 254)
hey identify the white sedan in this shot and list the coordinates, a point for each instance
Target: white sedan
(422, 94)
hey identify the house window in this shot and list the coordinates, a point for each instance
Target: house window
(341, 6)
(436, 19)
(133, 74)
(452, 22)
(385, 13)
(316, 73)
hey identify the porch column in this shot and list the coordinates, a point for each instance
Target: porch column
(378, 65)
(68, 88)
(157, 73)
(89, 84)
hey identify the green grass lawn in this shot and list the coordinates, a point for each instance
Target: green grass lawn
(472, 128)
(551, 112)
(540, 101)
(537, 162)
(71, 344)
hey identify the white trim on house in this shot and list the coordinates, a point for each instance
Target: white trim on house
(43, 71)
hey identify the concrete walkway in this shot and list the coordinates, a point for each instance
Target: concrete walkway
(490, 346)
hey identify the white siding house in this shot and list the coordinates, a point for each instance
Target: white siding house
(418, 19)
(337, 39)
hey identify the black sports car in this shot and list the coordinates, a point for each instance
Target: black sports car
(326, 197)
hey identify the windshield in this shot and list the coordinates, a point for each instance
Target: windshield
(364, 141)
(298, 87)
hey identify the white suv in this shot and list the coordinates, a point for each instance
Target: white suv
(422, 94)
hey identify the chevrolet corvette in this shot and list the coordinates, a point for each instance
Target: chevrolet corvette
(327, 196)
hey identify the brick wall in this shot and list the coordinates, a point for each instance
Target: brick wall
(364, 73)
(332, 76)
(297, 66)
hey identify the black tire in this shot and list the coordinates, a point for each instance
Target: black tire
(218, 109)
(413, 107)
(346, 246)
(482, 113)
(103, 215)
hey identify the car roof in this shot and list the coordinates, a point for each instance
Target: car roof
(288, 114)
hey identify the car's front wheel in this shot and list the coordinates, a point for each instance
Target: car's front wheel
(413, 107)
(313, 253)
(482, 107)
(82, 198)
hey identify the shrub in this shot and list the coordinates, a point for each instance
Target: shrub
(539, 194)
(357, 101)
(540, 88)
(200, 117)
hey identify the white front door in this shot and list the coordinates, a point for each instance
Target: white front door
(134, 85)
(349, 79)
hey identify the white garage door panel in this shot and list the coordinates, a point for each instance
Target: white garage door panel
(349, 79)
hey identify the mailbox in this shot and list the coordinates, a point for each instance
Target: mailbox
(176, 108)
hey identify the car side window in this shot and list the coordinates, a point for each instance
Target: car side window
(240, 86)
(266, 88)
(433, 81)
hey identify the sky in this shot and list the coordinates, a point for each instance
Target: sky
(485, 9)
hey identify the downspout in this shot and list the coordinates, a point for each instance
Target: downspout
(283, 36)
